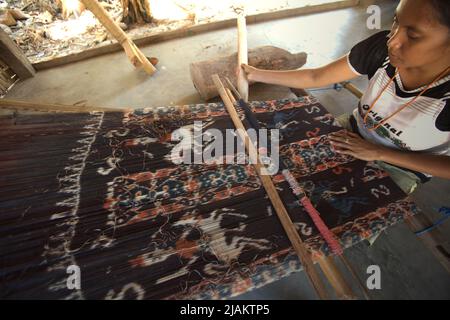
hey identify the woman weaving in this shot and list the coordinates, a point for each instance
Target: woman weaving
(403, 119)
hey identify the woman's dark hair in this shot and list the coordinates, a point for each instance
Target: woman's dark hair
(442, 10)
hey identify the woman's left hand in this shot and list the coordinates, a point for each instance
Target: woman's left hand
(346, 142)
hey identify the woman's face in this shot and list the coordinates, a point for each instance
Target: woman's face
(417, 37)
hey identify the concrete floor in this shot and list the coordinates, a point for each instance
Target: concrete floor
(408, 269)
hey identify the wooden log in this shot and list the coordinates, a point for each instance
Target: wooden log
(137, 58)
(14, 57)
(266, 57)
(288, 225)
(242, 82)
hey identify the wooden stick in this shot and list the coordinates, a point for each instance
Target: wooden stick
(137, 58)
(230, 95)
(242, 83)
(337, 281)
(362, 286)
(350, 87)
(291, 231)
(48, 107)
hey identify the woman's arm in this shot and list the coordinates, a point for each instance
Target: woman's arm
(438, 166)
(336, 71)
(352, 144)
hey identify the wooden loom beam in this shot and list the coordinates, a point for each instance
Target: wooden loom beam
(137, 58)
(52, 107)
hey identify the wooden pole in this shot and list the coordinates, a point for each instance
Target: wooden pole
(137, 58)
(291, 231)
(49, 107)
(242, 82)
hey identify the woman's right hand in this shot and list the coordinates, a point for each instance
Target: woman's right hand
(249, 72)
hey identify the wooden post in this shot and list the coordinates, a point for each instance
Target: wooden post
(11, 54)
(242, 82)
(291, 231)
(137, 58)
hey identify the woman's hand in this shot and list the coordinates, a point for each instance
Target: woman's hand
(249, 72)
(346, 142)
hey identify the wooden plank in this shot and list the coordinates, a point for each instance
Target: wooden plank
(52, 107)
(194, 30)
(11, 54)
